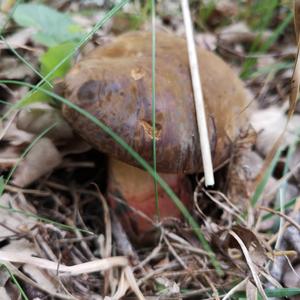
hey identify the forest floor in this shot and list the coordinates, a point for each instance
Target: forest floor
(58, 239)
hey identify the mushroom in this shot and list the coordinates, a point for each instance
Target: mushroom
(114, 83)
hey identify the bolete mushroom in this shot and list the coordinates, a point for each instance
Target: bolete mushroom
(114, 83)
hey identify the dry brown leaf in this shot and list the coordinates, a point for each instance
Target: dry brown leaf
(13, 221)
(249, 259)
(239, 33)
(17, 137)
(42, 159)
(251, 241)
(18, 40)
(11, 68)
(39, 116)
(270, 124)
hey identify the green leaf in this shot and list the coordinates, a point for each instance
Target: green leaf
(48, 61)
(52, 26)
(53, 57)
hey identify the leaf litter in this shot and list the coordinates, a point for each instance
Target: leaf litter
(176, 267)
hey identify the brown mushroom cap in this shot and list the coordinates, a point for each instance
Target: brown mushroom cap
(114, 83)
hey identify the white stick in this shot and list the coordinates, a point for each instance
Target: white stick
(198, 96)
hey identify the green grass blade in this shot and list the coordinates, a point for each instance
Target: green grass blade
(276, 293)
(261, 186)
(2, 185)
(143, 164)
(15, 281)
(154, 106)
(45, 220)
(266, 14)
(284, 292)
(287, 205)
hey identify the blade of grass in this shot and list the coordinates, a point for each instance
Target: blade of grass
(284, 292)
(289, 204)
(154, 105)
(261, 186)
(6, 102)
(142, 162)
(262, 48)
(2, 185)
(14, 279)
(45, 220)
(274, 293)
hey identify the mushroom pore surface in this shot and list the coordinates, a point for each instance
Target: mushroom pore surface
(114, 83)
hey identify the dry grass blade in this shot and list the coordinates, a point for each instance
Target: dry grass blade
(88, 267)
(287, 218)
(250, 264)
(295, 85)
(236, 288)
(8, 124)
(122, 288)
(132, 283)
(296, 74)
(297, 18)
(198, 96)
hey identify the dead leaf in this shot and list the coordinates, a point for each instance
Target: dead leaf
(239, 33)
(42, 159)
(18, 40)
(17, 137)
(11, 68)
(37, 117)
(251, 241)
(270, 124)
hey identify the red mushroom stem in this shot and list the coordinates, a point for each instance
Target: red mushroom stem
(131, 193)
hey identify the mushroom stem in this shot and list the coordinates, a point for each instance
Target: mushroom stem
(132, 195)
